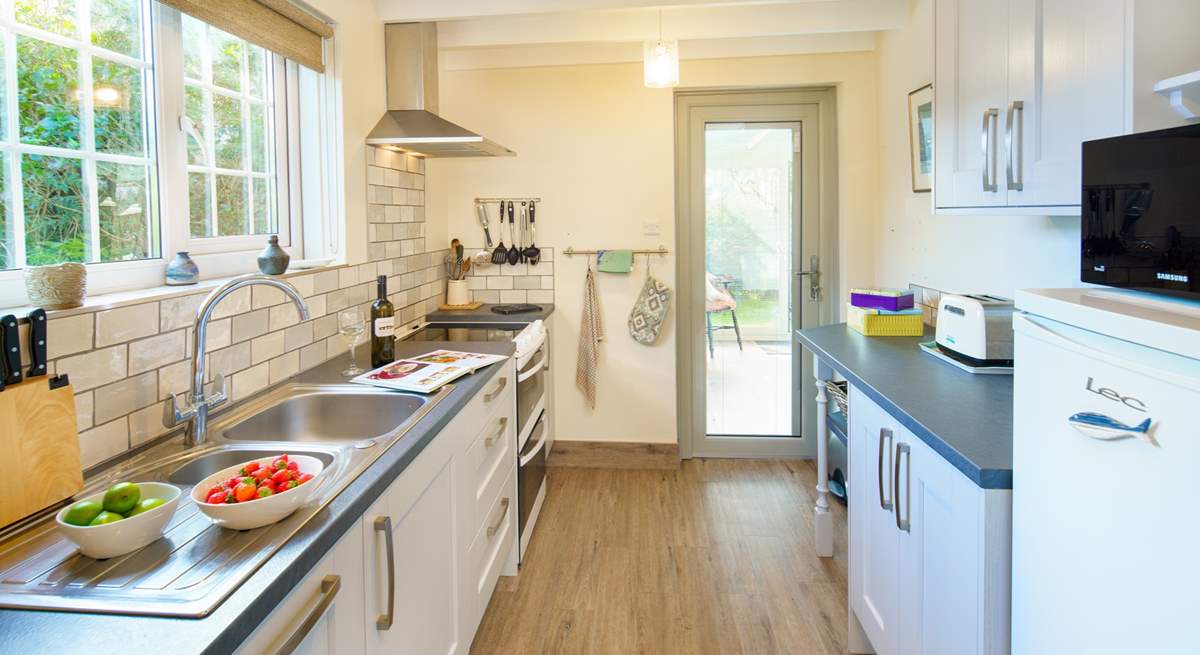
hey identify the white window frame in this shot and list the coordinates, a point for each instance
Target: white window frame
(309, 178)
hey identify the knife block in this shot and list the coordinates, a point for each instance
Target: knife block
(39, 448)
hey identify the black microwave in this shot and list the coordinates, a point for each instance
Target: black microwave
(1141, 212)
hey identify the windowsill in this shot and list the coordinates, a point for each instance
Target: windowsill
(113, 300)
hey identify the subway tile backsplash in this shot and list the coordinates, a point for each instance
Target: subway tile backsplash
(505, 283)
(126, 361)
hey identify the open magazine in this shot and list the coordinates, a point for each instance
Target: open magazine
(427, 373)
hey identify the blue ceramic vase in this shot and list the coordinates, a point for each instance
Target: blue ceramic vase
(182, 270)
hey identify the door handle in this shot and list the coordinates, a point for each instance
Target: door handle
(384, 621)
(814, 277)
(330, 585)
(491, 395)
(1016, 178)
(491, 441)
(990, 117)
(884, 433)
(493, 529)
(903, 523)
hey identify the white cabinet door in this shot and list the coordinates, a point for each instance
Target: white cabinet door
(874, 540)
(324, 611)
(1066, 85)
(970, 88)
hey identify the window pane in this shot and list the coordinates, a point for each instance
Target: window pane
(264, 218)
(226, 59)
(6, 237)
(227, 114)
(231, 205)
(199, 207)
(256, 62)
(56, 16)
(195, 110)
(258, 138)
(48, 87)
(193, 48)
(55, 229)
(124, 215)
(116, 25)
(117, 95)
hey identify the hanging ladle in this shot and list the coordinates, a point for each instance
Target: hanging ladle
(514, 255)
(532, 253)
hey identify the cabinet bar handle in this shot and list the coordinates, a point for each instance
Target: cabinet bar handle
(884, 504)
(491, 395)
(493, 529)
(990, 117)
(902, 449)
(1016, 174)
(491, 441)
(384, 524)
(330, 585)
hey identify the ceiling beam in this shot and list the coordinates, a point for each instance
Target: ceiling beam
(681, 23)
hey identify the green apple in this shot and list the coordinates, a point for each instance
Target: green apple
(122, 497)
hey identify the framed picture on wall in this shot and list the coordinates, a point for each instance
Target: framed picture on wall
(920, 136)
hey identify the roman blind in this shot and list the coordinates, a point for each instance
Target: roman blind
(277, 25)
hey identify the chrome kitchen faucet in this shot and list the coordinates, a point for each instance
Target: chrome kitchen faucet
(196, 413)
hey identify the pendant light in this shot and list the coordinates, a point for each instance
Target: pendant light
(661, 61)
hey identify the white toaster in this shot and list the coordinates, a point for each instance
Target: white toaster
(976, 329)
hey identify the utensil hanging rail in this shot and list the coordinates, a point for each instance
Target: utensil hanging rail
(487, 201)
(661, 251)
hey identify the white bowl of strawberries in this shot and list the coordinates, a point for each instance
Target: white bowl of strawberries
(259, 492)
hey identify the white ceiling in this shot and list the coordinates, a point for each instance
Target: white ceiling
(438, 10)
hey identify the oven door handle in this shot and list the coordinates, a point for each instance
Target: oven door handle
(527, 457)
(525, 375)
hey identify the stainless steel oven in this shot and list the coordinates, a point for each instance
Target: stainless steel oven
(531, 481)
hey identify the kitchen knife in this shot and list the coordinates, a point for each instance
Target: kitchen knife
(12, 349)
(37, 343)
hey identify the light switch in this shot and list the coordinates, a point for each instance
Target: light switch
(651, 228)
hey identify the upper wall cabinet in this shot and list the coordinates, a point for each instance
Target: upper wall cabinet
(1019, 85)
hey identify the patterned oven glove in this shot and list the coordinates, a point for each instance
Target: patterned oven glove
(650, 311)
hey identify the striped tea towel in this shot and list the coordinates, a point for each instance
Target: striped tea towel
(591, 333)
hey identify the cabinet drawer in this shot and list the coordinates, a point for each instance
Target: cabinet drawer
(497, 393)
(489, 461)
(492, 543)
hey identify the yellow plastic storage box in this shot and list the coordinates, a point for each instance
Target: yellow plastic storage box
(882, 323)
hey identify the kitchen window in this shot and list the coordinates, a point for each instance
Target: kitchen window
(130, 131)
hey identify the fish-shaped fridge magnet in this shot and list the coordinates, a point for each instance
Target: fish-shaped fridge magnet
(1106, 428)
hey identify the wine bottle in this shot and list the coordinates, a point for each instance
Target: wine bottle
(383, 335)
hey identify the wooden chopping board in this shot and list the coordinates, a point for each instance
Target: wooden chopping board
(39, 448)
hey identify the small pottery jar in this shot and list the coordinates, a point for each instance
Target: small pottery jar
(273, 260)
(457, 293)
(182, 270)
(56, 287)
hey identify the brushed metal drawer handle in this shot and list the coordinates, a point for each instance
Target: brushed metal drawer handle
(330, 585)
(493, 529)
(491, 441)
(903, 523)
(884, 433)
(491, 395)
(384, 621)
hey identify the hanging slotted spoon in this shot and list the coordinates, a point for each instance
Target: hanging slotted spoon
(500, 254)
(533, 254)
(513, 253)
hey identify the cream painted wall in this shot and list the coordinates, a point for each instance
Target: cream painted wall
(993, 254)
(359, 70)
(598, 147)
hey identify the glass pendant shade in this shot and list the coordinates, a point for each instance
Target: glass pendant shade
(661, 62)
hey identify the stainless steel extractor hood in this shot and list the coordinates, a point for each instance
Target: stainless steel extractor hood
(411, 122)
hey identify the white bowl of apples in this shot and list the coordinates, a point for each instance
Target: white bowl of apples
(258, 492)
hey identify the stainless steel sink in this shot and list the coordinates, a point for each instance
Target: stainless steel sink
(205, 465)
(325, 414)
(196, 565)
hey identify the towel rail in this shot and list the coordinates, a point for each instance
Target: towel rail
(661, 251)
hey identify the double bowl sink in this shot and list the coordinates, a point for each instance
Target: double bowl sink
(196, 565)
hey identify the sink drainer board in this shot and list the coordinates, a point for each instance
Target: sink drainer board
(186, 573)
(195, 565)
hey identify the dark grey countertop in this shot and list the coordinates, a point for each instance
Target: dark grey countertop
(485, 315)
(966, 418)
(33, 632)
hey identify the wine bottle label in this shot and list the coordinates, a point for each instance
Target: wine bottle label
(385, 326)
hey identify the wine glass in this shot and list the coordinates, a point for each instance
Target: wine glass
(352, 325)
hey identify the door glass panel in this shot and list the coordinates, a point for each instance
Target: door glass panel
(750, 204)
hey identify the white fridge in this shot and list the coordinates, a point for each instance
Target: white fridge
(1106, 474)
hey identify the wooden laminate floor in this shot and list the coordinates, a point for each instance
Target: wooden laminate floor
(715, 557)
